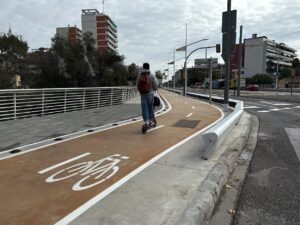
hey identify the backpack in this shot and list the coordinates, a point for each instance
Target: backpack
(145, 83)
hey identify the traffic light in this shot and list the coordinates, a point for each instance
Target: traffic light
(218, 48)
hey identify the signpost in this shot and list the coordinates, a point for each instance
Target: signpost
(292, 83)
(229, 34)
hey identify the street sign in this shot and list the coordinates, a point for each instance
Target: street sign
(204, 63)
(233, 14)
(225, 17)
(293, 72)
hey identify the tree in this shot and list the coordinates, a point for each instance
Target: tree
(159, 74)
(132, 73)
(73, 57)
(109, 66)
(13, 51)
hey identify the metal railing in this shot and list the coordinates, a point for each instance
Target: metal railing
(24, 103)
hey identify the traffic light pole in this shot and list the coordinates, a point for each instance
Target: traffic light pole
(228, 53)
(239, 61)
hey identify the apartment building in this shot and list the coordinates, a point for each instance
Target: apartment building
(69, 33)
(103, 29)
(265, 56)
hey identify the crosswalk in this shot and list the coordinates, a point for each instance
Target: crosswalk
(269, 107)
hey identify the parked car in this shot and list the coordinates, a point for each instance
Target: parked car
(252, 88)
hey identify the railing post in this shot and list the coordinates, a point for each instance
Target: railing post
(111, 96)
(99, 95)
(83, 99)
(43, 102)
(123, 95)
(65, 101)
(15, 106)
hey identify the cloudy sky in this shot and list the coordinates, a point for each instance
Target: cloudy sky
(150, 30)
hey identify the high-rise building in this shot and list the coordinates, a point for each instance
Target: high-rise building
(103, 29)
(71, 34)
(265, 56)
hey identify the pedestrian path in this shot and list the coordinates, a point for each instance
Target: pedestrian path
(59, 182)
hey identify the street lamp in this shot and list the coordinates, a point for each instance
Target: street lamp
(184, 48)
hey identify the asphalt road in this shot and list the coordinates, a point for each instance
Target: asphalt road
(271, 192)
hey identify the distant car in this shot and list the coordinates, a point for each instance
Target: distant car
(252, 88)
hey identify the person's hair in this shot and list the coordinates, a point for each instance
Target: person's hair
(146, 66)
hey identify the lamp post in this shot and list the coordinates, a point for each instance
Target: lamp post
(184, 48)
(174, 85)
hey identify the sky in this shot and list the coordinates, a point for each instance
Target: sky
(150, 30)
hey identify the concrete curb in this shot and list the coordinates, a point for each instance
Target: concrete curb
(230, 195)
(201, 207)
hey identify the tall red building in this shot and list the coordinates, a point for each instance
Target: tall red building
(102, 28)
(69, 33)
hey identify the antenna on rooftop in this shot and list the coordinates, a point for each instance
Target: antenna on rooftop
(103, 6)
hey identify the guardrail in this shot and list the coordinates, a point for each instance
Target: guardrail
(214, 136)
(24, 103)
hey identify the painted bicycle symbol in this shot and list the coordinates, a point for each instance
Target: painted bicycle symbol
(92, 173)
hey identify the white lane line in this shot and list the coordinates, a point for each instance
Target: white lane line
(286, 108)
(63, 163)
(269, 103)
(193, 107)
(263, 111)
(189, 114)
(155, 128)
(251, 107)
(275, 109)
(294, 137)
(282, 104)
(297, 107)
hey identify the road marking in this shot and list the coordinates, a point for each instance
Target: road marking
(263, 111)
(96, 172)
(294, 137)
(63, 163)
(252, 107)
(282, 104)
(297, 107)
(269, 103)
(275, 109)
(287, 108)
(155, 128)
(189, 114)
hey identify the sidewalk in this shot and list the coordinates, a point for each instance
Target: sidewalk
(15, 133)
(180, 188)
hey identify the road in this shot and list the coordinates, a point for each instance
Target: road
(270, 195)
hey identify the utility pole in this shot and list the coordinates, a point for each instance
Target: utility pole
(228, 54)
(174, 84)
(185, 72)
(210, 79)
(239, 61)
